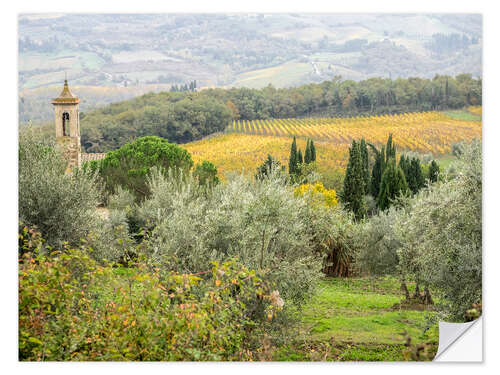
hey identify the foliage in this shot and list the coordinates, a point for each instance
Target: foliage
(122, 200)
(353, 195)
(433, 171)
(258, 220)
(293, 161)
(62, 206)
(206, 174)
(172, 116)
(248, 143)
(128, 166)
(268, 166)
(310, 153)
(366, 168)
(377, 253)
(441, 235)
(319, 194)
(390, 149)
(423, 132)
(413, 173)
(377, 171)
(393, 184)
(72, 308)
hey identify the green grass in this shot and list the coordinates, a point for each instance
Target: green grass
(359, 319)
(463, 115)
(445, 161)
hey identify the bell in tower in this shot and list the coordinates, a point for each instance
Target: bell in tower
(68, 126)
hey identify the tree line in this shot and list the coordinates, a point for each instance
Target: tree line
(187, 116)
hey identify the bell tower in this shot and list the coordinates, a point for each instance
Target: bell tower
(68, 126)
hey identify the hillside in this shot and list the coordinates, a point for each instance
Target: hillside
(239, 50)
(183, 117)
(245, 146)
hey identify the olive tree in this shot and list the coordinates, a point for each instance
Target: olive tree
(62, 206)
(441, 234)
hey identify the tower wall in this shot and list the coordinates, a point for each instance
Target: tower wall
(74, 119)
(68, 126)
(71, 149)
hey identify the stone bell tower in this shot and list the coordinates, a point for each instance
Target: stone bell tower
(68, 126)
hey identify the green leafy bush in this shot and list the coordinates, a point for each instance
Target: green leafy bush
(206, 173)
(129, 165)
(72, 308)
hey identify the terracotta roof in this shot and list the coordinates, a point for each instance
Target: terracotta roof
(66, 97)
(89, 157)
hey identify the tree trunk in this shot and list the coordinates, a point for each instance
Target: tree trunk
(404, 288)
(417, 292)
(427, 296)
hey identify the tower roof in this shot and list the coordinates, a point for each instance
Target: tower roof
(66, 97)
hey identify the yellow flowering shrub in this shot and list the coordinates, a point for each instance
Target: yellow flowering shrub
(320, 195)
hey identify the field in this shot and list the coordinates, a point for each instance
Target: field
(284, 75)
(247, 143)
(359, 319)
(45, 69)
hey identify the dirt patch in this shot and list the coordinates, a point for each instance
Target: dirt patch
(412, 304)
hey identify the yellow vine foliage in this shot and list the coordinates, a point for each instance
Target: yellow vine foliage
(319, 194)
(246, 144)
(477, 110)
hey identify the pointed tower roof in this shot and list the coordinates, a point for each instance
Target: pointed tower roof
(66, 97)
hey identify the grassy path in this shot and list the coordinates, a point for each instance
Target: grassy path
(359, 320)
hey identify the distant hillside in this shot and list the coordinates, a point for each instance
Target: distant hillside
(34, 104)
(240, 50)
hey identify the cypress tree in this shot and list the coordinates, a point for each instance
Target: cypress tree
(433, 171)
(300, 160)
(292, 163)
(307, 155)
(390, 150)
(364, 159)
(313, 151)
(267, 166)
(402, 165)
(377, 171)
(416, 176)
(354, 195)
(393, 183)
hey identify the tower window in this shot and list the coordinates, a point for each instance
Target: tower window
(65, 124)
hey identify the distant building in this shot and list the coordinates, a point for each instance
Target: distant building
(67, 119)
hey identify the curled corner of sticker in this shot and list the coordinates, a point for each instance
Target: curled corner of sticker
(460, 342)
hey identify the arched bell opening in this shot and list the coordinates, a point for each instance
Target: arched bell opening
(65, 124)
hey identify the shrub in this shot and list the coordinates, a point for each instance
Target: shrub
(378, 245)
(122, 200)
(111, 241)
(62, 206)
(318, 193)
(72, 308)
(259, 221)
(129, 165)
(206, 173)
(265, 168)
